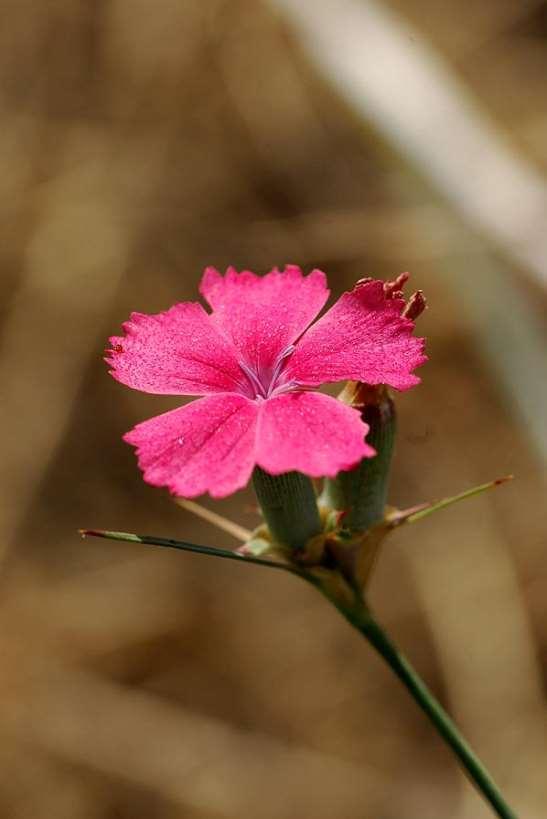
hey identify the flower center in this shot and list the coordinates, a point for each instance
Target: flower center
(268, 381)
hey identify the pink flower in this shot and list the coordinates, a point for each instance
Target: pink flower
(258, 363)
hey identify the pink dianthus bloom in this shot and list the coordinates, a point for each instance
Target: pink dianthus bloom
(258, 363)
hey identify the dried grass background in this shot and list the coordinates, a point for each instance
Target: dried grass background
(139, 142)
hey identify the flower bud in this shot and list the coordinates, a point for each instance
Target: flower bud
(361, 493)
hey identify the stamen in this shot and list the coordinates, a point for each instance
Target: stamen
(254, 379)
(290, 386)
(289, 351)
(278, 368)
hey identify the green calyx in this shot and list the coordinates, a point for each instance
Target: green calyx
(289, 506)
(361, 493)
(344, 532)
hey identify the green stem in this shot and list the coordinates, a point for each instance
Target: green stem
(289, 506)
(361, 618)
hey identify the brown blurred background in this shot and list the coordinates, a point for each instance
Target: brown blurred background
(139, 142)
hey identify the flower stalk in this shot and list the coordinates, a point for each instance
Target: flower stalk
(361, 618)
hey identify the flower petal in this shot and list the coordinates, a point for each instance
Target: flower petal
(263, 315)
(311, 433)
(362, 338)
(205, 446)
(178, 352)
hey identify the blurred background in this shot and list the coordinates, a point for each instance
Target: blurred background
(139, 143)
